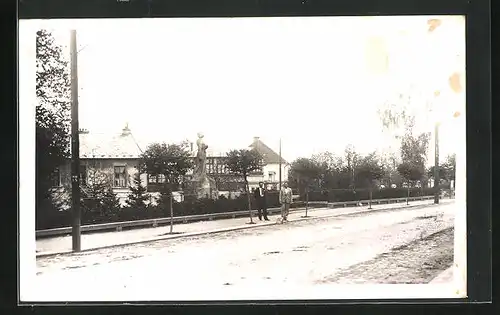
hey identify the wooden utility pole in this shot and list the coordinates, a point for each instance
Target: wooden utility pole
(280, 167)
(436, 164)
(75, 149)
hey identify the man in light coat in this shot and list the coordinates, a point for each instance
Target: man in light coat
(285, 201)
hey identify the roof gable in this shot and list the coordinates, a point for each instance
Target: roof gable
(101, 146)
(268, 155)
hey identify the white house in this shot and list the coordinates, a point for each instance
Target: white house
(115, 156)
(271, 166)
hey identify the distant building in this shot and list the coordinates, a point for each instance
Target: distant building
(271, 166)
(117, 156)
(269, 173)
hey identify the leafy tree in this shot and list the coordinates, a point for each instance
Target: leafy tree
(391, 175)
(369, 171)
(52, 116)
(339, 172)
(397, 116)
(413, 156)
(331, 169)
(451, 165)
(172, 161)
(326, 159)
(446, 169)
(306, 173)
(411, 172)
(97, 194)
(110, 203)
(414, 148)
(351, 159)
(138, 195)
(243, 163)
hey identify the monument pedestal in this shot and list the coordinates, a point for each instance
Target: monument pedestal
(203, 187)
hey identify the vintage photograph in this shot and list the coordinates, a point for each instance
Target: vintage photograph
(276, 158)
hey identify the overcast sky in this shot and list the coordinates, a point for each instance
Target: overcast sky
(315, 82)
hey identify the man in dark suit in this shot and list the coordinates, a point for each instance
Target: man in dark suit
(260, 195)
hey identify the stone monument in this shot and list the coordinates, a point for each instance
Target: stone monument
(202, 186)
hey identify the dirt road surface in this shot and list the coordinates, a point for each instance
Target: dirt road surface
(399, 246)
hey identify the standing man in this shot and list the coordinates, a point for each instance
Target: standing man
(285, 200)
(260, 195)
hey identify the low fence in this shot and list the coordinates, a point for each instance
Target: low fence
(118, 226)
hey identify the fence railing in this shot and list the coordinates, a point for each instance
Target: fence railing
(118, 226)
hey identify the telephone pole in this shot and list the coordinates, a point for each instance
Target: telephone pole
(436, 163)
(75, 149)
(280, 167)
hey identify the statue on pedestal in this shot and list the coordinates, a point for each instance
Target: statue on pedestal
(200, 169)
(202, 185)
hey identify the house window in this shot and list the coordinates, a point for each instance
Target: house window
(152, 179)
(120, 179)
(161, 179)
(56, 178)
(156, 179)
(210, 166)
(272, 176)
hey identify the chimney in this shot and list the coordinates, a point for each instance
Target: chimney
(255, 139)
(126, 131)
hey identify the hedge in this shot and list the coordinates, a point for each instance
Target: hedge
(339, 195)
(54, 219)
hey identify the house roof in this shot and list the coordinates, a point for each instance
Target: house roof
(105, 146)
(269, 156)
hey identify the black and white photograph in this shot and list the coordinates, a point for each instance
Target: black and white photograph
(245, 158)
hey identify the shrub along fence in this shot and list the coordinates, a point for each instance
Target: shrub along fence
(57, 219)
(339, 195)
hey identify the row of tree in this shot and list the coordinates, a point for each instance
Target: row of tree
(356, 171)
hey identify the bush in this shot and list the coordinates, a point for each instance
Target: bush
(340, 195)
(205, 206)
(221, 205)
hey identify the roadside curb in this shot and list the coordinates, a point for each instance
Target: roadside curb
(222, 230)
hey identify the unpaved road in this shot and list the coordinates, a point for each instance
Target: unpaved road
(381, 247)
